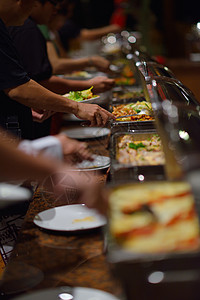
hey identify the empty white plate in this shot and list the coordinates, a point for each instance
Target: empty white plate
(73, 217)
(99, 163)
(83, 133)
(67, 293)
(11, 194)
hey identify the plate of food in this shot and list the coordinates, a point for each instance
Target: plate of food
(85, 96)
(78, 75)
(99, 163)
(75, 217)
(68, 293)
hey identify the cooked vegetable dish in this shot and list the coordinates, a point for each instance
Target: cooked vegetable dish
(141, 110)
(127, 76)
(128, 95)
(140, 152)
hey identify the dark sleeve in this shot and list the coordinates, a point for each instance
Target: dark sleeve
(11, 72)
(69, 31)
(33, 54)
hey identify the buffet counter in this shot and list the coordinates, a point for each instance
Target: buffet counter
(44, 259)
(151, 241)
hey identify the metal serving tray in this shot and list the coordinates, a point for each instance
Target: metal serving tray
(123, 126)
(125, 172)
(163, 276)
(120, 91)
(162, 88)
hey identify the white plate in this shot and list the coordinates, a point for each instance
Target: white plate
(91, 100)
(11, 194)
(68, 76)
(67, 293)
(84, 133)
(99, 163)
(69, 218)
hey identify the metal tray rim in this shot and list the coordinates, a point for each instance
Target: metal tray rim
(115, 165)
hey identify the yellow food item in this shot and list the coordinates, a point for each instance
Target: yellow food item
(86, 219)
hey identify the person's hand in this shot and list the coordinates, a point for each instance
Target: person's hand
(96, 115)
(101, 84)
(100, 63)
(41, 115)
(73, 150)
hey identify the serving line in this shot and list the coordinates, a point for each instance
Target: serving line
(45, 259)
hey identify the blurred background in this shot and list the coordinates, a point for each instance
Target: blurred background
(170, 30)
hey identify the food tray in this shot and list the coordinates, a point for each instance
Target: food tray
(129, 76)
(166, 275)
(117, 126)
(119, 92)
(120, 172)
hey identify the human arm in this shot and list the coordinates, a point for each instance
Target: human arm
(37, 97)
(40, 116)
(65, 65)
(96, 33)
(59, 147)
(62, 86)
(73, 150)
(16, 165)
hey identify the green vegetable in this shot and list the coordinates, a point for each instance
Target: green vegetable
(81, 95)
(148, 106)
(136, 146)
(76, 96)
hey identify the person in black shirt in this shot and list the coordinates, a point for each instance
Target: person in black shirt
(14, 116)
(36, 63)
(18, 92)
(31, 47)
(97, 21)
(26, 41)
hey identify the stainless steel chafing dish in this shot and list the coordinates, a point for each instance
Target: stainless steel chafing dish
(153, 69)
(121, 94)
(122, 172)
(162, 88)
(162, 275)
(167, 275)
(118, 126)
